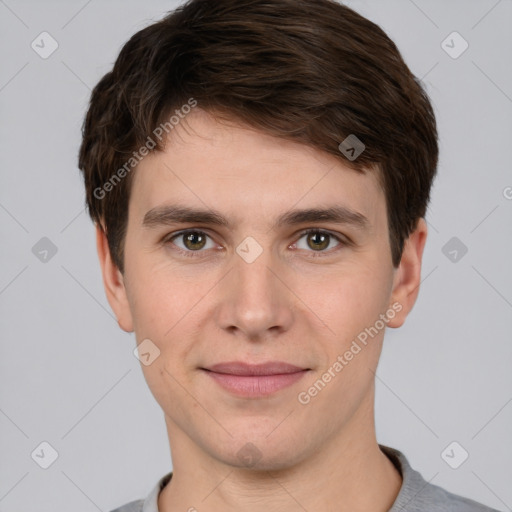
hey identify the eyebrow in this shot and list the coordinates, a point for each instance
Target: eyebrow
(171, 214)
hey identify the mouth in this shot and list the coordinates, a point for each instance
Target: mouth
(255, 380)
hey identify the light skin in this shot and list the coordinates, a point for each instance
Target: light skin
(303, 301)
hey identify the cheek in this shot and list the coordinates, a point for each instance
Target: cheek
(349, 301)
(350, 306)
(167, 308)
(164, 312)
(158, 296)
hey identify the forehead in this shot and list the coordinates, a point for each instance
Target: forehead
(243, 171)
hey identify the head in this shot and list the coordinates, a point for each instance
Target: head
(239, 109)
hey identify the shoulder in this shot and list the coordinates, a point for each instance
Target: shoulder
(150, 504)
(133, 506)
(418, 495)
(437, 499)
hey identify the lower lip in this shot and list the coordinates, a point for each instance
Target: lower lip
(255, 385)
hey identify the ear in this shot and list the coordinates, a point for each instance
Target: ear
(406, 282)
(113, 282)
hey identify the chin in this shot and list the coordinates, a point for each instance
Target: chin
(263, 453)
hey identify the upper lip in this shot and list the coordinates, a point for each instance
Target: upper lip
(241, 368)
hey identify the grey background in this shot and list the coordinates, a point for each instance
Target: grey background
(68, 374)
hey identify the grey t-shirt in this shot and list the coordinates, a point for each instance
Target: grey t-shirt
(416, 494)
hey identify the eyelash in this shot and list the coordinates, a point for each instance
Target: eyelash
(315, 254)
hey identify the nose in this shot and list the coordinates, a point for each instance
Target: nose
(254, 301)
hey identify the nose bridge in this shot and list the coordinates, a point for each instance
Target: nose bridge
(255, 300)
(255, 281)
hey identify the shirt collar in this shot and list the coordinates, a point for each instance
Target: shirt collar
(151, 502)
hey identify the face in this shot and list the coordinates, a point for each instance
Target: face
(229, 266)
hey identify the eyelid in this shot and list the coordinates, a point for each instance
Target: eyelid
(308, 231)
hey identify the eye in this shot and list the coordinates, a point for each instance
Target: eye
(317, 240)
(192, 241)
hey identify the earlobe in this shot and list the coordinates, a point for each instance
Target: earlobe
(113, 282)
(408, 274)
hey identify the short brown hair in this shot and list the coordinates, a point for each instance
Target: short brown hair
(310, 71)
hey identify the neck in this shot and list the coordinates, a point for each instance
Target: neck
(348, 470)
